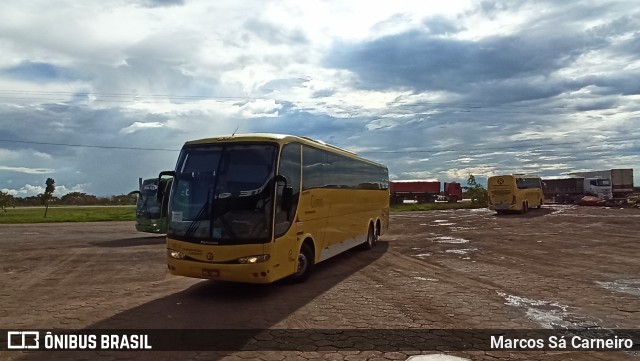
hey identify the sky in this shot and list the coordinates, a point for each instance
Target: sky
(96, 94)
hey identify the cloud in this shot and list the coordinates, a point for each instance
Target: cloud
(29, 190)
(38, 72)
(136, 126)
(422, 62)
(275, 34)
(8, 155)
(26, 170)
(437, 89)
(162, 3)
(439, 25)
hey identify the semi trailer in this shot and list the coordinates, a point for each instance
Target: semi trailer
(423, 191)
(573, 189)
(621, 180)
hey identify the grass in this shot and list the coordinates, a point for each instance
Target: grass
(411, 207)
(68, 214)
(128, 213)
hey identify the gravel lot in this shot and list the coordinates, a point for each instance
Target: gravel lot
(556, 267)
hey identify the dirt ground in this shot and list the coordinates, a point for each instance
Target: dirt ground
(557, 267)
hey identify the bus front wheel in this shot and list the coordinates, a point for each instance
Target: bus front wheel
(305, 264)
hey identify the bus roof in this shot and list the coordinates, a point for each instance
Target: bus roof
(280, 138)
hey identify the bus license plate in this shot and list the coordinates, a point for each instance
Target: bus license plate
(210, 272)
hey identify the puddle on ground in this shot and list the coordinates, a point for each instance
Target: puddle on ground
(422, 255)
(449, 239)
(426, 279)
(439, 222)
(456, 229)
(461, 251)
(548, 314)
(631, 287)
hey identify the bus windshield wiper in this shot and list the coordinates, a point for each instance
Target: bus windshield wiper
(193, 226)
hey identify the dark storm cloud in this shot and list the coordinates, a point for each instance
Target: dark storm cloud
(293, 120)
(422, 62)
(595, 104)
(72, 124)
(621, 82)
(76, 137)
(517, 66)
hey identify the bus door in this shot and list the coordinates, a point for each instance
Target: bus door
(286, 232)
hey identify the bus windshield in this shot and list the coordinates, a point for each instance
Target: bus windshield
(222, 194)
(148, 206)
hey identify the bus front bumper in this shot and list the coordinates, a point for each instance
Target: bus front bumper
(244, 273)
(502, 207)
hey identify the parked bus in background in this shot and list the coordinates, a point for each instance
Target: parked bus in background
(151, 212)
(256, 208)
(517, 192)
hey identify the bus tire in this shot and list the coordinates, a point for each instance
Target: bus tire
(372, 238)
(305, 264)
(524, 208)
(539, 204)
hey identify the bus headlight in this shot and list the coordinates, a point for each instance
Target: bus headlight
(175, 254)
(254, 259)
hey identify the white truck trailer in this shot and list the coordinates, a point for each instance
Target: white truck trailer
(621, 180)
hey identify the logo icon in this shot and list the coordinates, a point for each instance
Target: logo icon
(23, 340)
(500, 181)
(210, 256)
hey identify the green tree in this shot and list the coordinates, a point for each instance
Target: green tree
(476, 192)
(78, 199)
(50, 187)
(6, 200)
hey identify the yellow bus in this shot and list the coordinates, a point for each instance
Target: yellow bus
(256, 208)
(517, 192)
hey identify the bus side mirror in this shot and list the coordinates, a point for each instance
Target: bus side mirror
(287, 193)
(287, 199)
(160, 190)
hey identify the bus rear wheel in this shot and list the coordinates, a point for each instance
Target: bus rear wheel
(525, 208)
(305, 264)
(372, 238)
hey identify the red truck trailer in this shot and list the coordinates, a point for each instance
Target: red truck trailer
(421, 191)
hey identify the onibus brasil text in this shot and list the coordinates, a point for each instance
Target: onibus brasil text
(16, 340)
